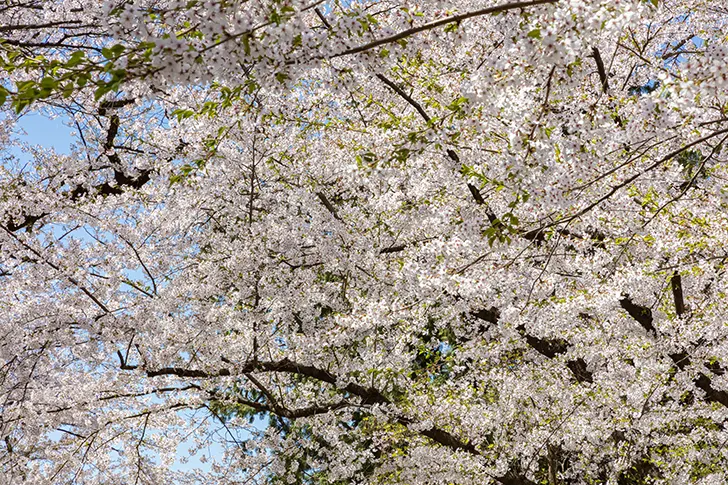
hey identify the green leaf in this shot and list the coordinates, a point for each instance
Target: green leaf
(21, 103)
(83, 79)
(48, 83)
(182, 114)
(534, 34)
(75, 59)
(117, 50)
(68, 90)
(453, 27)
(457, 104)
(101, 91)
(246, 43)
(24, 86)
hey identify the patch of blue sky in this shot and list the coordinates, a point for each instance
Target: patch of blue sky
(35, 129)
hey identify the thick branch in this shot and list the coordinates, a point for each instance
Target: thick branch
(325, 201)
(393, 249)
(121, 179)
(439, 23)
(641, 314)
(681, 360)
(405, 96)
(368, 395)
(546, 347)
(600, 69)
(280, 410)
(677, 293)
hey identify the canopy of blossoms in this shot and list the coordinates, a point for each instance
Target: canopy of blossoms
(376, 242)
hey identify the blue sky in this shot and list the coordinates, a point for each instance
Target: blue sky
(37, 129)
(47, 132)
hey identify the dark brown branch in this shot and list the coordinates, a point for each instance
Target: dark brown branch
(681, 360)
(153, 391)
(119, 103)
(443, 437)
(439, 23)
(476, 195)
(144, 266)
(474, 191)
(490, 315)
(367, 395)
(548, 88)
(546, 347)
(393, 249)
(405, 96)
(641, 314)
(703, 383)
(182, 372)
(121, 179)
(325, 201)
(36, 27)
(677, 293)
(27, 221)
(73, 281)
(600, 69)
(435, 434)
(111, 132)
(282, 411)
(450, 153)
(123, 362)
(323, 19)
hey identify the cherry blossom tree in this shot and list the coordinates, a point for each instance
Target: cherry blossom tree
(332, 242)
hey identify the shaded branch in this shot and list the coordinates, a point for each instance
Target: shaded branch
(325, 201)
(121, 179)
(367, 395)
(603, 78)
(36, 27)
(549, 348)
(641, 314)
(681, 359)
(393, 249)
(677, 293)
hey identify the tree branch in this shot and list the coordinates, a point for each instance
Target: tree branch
(404, 96)
(368, 395)
(681, 360)
(438, 23)
(600, 69)
(325, 201)
(546, 347)
(677, 293)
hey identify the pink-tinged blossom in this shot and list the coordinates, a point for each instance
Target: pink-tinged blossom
(303, 242)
